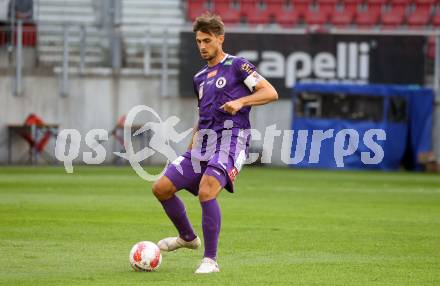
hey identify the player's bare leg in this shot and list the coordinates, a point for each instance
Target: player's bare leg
(209, 189)
(164, 190)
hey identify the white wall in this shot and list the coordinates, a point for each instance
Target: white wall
(98, 102)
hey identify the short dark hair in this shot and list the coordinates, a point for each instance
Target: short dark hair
(210, 24)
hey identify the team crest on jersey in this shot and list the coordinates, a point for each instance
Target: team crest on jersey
(220, 82)
(247, 68)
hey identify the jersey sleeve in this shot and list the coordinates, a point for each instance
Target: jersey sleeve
(196, 91)
(247, 73)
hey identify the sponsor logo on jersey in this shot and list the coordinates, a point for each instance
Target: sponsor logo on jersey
(211, 74)
(233, 174)
(247, 68)
(220, 82)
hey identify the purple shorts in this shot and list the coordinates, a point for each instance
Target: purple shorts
(187, 170)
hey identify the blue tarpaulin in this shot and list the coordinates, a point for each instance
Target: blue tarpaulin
(405, 138)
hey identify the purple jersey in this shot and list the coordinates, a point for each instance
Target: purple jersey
(228, 80)
(223, 155)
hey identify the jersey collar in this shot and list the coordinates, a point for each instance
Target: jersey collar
(221, 62)
(224, 59)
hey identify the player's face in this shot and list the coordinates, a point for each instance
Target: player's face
(209, 45)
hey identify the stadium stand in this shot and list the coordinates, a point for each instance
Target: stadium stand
(22, 11)
(420, 17)
(228, 10)
(343, 15)
(52, 15)
(255, 12)
(141, 17)
(144, 21)
(139, 20)
(395, 14)
(368, 15)
(316, 16)
(288, 16)
(436, 19)
(196, 7)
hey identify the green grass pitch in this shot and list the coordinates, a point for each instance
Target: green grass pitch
(282, 227)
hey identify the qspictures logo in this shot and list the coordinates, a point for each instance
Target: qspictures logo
(346, 142)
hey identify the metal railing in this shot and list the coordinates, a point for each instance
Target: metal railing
(26, 34)
(12, 43)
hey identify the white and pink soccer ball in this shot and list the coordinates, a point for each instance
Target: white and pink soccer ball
(145, 256)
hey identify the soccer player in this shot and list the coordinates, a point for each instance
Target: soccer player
(226, 87)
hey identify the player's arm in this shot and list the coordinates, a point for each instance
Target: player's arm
(196, 126)
(263, 93)
(193, 137)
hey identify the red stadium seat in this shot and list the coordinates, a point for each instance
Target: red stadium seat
(231, 17)
(316, 17)
(274, 7)
(394, 16)
(29, 35)
(420, 17)
(229, 13)
(368, 17)
(287, 17)
(3, 37)
(352, 5)
(400, 2)
(301, 7)
(436, 19)
(247, 6)
(327, 6)
(352, 2)
(425, 2)
(222, 6)
(302, 2)
(195, 8)
(254, 11)
(377, 2)
(342, 17)
(257, 16)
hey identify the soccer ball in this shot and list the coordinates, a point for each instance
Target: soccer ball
(145, 256)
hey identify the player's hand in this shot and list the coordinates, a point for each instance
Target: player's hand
(232, 107)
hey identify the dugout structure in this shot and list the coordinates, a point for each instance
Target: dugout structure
(403, 112)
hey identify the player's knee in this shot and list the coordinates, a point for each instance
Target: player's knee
(207, 189)
(162, 190)
(157, 189)
(205, 195)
